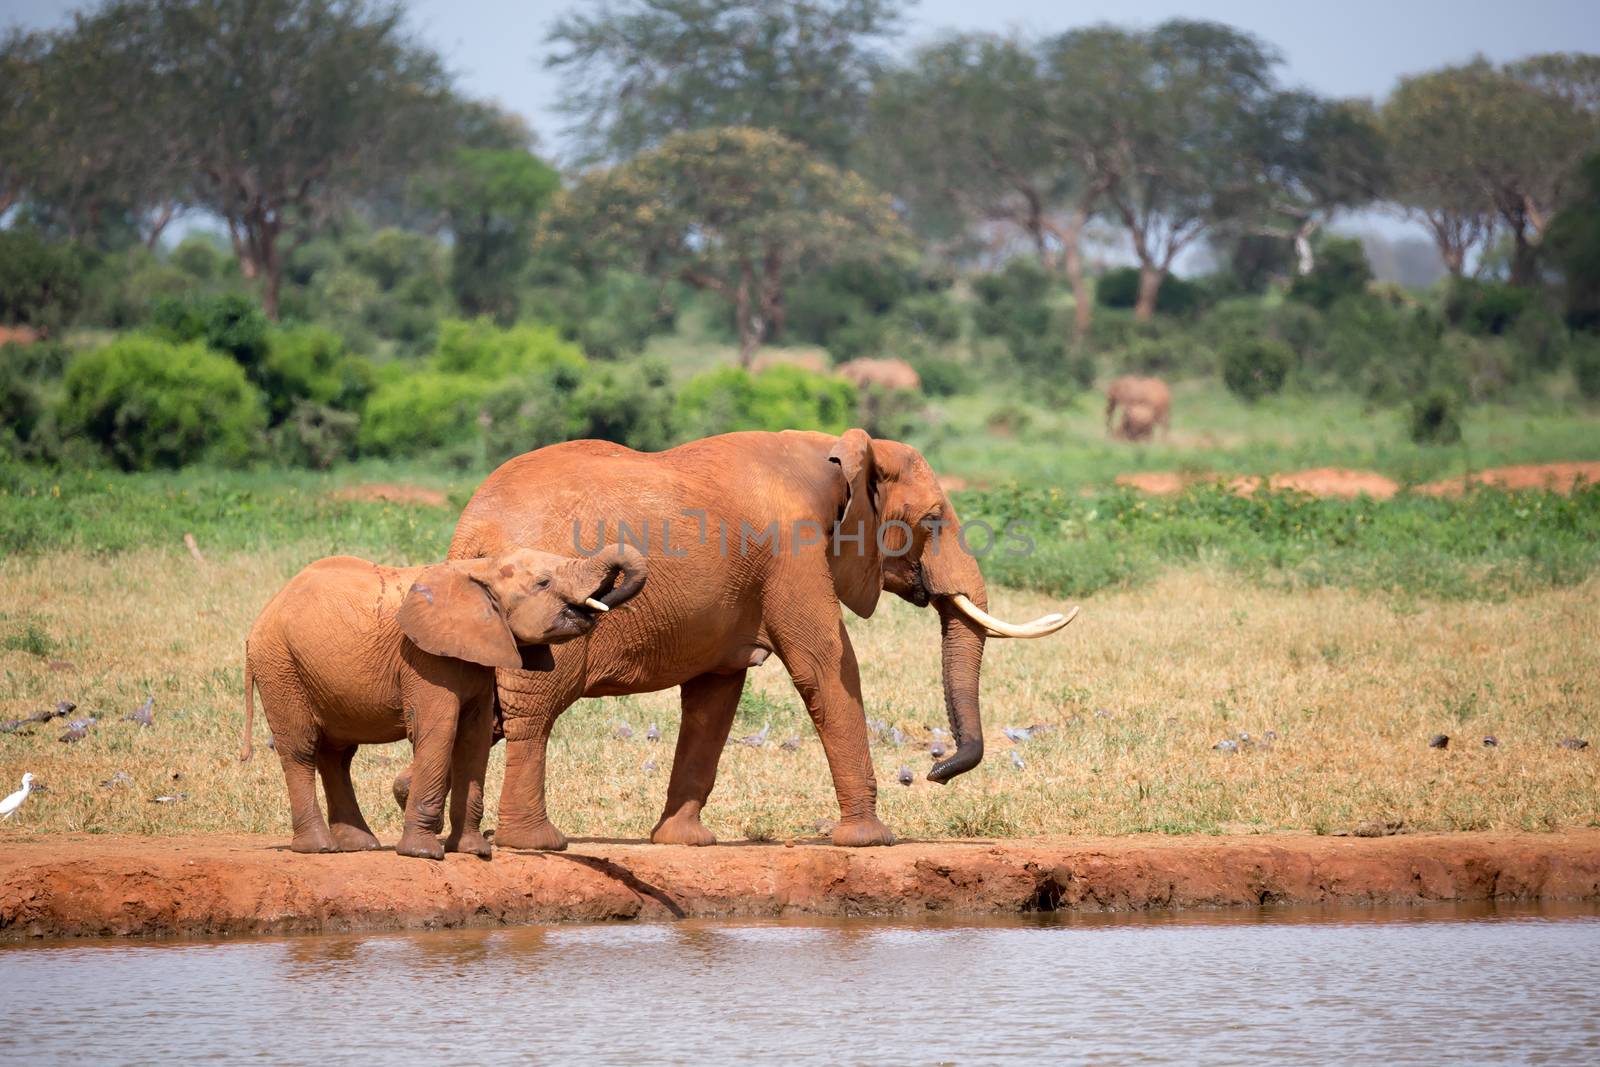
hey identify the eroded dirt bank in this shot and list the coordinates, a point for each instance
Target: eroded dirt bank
(208, 886)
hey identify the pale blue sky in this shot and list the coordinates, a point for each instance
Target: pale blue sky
(1345, 48)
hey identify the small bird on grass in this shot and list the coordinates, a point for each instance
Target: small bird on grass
(169, 798)
(649, 766)
(1576, 744)
(756, 740)
(824, 827)
(1226, 745)
(9, 806)
(78, 729)
(1017, 734)
(652, 734)
(896, 737)
(937, 749)
(1016, 760)
(121, 778)
(790, 743)
(622, 732)
(1491, 741)
(144, 714)
(905, 777)
(1439, 741)
(60, 711)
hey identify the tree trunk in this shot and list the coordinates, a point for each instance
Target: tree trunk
(1524, 259)
(1071, 236)
(1305, 260)
(1150, 279)
(749, 329)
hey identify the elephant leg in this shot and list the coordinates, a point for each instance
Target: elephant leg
(468, 763)
(530, 702)
(402, 788)
(709, 703)
(296, 737)
(819, 658)
(436, 710)
(350, 831)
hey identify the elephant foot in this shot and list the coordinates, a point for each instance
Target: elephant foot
(542, 836)
(862, 831)
(355, 839)
(682, 829)
(471, 842)
(421, 844)
(311, 841)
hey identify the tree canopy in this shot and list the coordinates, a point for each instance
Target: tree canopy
(735, 211)
(640, 70)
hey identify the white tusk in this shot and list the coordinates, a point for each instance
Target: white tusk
(1043, 626)
(596, 604)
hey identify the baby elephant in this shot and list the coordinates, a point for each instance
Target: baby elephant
(350, 653)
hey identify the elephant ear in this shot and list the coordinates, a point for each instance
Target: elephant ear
(853, 550)
(449, 613)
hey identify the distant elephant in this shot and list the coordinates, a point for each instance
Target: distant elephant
(1152, 392)
(1138, 421)
(351, 653)
(745, 560)
(894, 374)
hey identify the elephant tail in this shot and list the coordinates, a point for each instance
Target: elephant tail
(245, 752)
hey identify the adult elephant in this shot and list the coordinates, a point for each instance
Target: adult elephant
(1151, 394)
(754, 541)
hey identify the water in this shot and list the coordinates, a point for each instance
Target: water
(1452, 985)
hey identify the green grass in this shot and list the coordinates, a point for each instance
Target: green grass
(1487, 544)
(1065, 445)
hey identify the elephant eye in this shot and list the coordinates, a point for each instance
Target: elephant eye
(542, 583)
(930, 521)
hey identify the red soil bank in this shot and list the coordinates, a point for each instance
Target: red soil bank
(87, 886)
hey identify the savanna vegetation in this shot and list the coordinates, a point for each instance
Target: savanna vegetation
(245, 329)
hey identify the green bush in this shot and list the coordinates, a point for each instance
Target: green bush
(1486, 308)
(1586, 364)
(149, 403)
(309, 364)
(846, 307)
(609, 316)
(21, 407)
(1013, 305)
(1258, 368)
(943, 377)
(633, 406)
(230, 323)
(1119, 288)
(41, 284)
(1340, 270)
(483, 350)
(781, 398)
(422, 411)
(315, 435)
(932, 318)
(1385, 351)
(1436, 418)
(201, 259)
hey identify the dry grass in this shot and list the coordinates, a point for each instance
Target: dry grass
(1141, 688)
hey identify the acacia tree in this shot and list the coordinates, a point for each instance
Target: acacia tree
(640, 70)
(88, 153)
(1169, 123)
(283, 109)
(1319, 157)
(1432, 126)
(736, 212)
(491, 199)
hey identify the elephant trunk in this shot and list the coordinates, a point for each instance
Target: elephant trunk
(608, 578)
(961, 649)
(625, 570)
